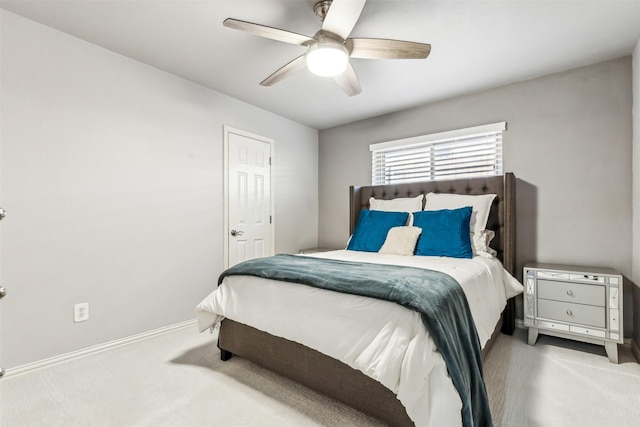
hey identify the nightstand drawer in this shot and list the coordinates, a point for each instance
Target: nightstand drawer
(572, 292)
(572, 313)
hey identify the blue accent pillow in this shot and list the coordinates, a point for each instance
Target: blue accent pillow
(373, 227)
(444, 232)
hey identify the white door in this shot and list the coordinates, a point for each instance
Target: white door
(248, 201)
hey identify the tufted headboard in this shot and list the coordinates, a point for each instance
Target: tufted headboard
(501, 217)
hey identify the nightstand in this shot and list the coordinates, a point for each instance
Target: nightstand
(574, 302)
(315, 250)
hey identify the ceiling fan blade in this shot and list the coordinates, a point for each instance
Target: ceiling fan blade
(348, 81)
(296, 65)
(342, 16)
(268, 32)
(387, 49)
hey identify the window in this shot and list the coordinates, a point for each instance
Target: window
(463, 153)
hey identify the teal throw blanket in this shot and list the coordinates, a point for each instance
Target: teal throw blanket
(436, 296)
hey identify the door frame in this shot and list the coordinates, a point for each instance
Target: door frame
(225, 174)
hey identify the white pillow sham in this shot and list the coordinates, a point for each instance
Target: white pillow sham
(480, 243)
(400, 204)
(401, 241)
(480, 204)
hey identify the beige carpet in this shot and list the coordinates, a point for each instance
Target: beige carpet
(177, 379)
(561, 383)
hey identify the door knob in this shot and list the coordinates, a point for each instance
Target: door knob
(3, 213)
(3, 292)
(235, 233)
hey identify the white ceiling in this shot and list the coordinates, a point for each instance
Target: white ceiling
(475, 45)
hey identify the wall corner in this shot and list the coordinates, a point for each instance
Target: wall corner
(635, 185)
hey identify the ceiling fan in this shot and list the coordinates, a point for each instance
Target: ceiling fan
(330, 48)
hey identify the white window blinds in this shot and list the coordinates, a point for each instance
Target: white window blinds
(463, 153)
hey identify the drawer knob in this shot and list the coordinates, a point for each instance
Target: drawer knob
(569, 312)
(570, 292)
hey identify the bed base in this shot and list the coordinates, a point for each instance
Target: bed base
(302, 364)
(312, 369)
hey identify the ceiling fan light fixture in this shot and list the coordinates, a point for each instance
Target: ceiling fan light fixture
(327, 58)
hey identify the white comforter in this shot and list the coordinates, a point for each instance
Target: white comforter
(382, 339)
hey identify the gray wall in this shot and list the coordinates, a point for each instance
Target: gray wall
(111, 172)
(636, 197)
(568, 142)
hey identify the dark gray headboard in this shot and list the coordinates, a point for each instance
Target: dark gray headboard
(501, 217)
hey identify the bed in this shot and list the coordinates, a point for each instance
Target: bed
(318, 343)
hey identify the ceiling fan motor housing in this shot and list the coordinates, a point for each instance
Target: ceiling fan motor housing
(321, 8)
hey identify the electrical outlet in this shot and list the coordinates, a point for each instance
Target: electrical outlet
(81, 312)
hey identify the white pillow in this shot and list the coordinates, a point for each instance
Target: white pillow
(481, 243)
(401, 204)
(401, 241)
(480, 204)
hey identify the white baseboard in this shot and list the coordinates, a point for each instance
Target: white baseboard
(29, 367)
